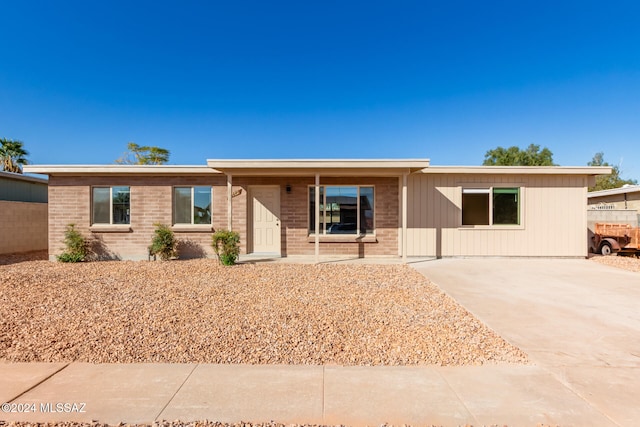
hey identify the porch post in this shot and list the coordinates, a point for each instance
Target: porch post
(317, 225)
(404, 217)
(229, 201)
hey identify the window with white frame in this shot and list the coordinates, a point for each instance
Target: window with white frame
(343, 210)
(192, 205)
(491, 206)
(111, 205)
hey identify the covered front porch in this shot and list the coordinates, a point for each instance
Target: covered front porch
(320, 208)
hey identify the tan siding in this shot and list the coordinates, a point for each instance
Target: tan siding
(552, 209)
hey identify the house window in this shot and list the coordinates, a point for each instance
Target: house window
(192, 205)
(490, 206)
(343, 210)
(111, 205)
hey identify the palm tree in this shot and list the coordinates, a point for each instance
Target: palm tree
(12, 155)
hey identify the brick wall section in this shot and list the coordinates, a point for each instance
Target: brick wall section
(23, 227)
(294, 215)
(151, 202)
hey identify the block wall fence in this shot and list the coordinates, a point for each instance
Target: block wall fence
(23, 227)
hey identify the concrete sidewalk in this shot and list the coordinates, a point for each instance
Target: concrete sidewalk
(578, 321)
(515, 395)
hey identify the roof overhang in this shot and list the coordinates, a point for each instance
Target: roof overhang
(156, 170)
(614, 191)
(21, 177)
(520, 170)
(309, 167)
(326, 167)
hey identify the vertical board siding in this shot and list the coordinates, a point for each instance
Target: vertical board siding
(21, 189)
(552, 214)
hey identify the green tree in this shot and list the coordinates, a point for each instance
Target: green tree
(606, 182)
(514, 156)
(12, 155)
(143, 155)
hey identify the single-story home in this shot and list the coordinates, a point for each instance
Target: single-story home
(625, 197)
(617, 205)
(396, 208)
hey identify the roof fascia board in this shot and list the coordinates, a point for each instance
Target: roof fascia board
(121, 170)
(614, 191)
(520, 170)
(332, 172)
(317, 163)
(21, 177)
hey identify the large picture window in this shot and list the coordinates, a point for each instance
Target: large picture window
(192, 205)
(111, 205)
(343, 210)
(491, 206)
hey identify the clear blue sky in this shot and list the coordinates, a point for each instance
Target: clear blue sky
(444, 80)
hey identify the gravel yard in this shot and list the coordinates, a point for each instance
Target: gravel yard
(625, 262)
(199, 312)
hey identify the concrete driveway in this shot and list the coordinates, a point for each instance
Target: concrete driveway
(576, 319)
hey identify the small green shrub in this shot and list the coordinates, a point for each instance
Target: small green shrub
(67, 257)
(163, 243)
(77, 247)
(226, 245)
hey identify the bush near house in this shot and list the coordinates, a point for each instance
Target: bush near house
(163, 243)
(226, 245)
(77, 246)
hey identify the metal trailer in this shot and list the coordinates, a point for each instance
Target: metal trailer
(611, 238)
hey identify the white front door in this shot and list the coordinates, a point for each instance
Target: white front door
(265, 215)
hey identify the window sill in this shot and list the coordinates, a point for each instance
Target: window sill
(192, 228)
(343, 238)
(110, 228)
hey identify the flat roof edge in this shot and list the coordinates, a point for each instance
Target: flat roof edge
(22, 177)
(119, 169)
(614, 191)
(527, 170)
(316, 163)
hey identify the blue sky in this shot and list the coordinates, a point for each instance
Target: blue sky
(331, 79)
